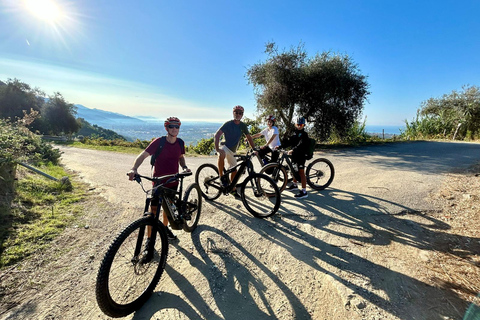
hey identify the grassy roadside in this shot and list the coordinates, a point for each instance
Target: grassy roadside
(121, 149)
(41, 210)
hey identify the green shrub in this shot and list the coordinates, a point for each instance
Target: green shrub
(17, 143)
(204, 146)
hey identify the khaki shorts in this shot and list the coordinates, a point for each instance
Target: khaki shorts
(229, 155)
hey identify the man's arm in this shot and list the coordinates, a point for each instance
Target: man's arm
(138, 161)
(250, 141)
(182, 163)
(218, 134)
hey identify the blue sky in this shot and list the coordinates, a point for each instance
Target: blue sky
(189, 58)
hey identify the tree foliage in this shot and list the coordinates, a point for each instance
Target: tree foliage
(455, 115)
(17, 97)
(52, 116)
(328, 90)
(58, 116)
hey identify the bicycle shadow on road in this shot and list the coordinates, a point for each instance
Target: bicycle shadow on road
(348, 220)
(235, 288)
(239, 280)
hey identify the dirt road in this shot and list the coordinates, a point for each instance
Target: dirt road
(349, 252)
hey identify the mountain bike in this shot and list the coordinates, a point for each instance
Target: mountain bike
(134, 262)
(259, 193)
(319, 173)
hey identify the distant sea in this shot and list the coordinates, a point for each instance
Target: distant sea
(192, 132)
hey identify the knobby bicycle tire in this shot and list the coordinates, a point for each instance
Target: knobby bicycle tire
(278, 174)
(126, 277)
(192, 207)
(320, 174)
(208, 180)
(260, 195)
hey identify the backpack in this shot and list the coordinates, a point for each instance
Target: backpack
(311, 148)
(160, 147)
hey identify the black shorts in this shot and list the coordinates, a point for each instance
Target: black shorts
(274, 156)
(299, 160)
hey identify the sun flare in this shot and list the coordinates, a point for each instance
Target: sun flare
(46, 10)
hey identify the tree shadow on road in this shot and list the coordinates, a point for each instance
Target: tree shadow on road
(420, 156)
(350, 219)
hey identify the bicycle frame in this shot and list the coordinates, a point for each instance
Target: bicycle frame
(285, 157)
(161, 192)
(245, 165)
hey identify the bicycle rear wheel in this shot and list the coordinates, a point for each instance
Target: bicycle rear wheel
(260, 195)
(192, 207)
(209, 181)
(277, 173)
(320, 174)
(130, 271)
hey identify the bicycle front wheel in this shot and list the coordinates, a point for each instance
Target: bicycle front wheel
(131, 267)
(209, 181)
(260, 195)
(277, 173)
(192, 207)
(320, 174)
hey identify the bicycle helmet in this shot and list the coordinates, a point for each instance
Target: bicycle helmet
(239, 108)
(300, 120)
(172, 120)
(270, 118)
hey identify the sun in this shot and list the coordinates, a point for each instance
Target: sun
(46, 10)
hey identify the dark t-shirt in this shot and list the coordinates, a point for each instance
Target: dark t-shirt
(299, 142)
(233, 132)
(167, 160)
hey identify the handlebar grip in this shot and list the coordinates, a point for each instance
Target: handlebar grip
(185, 174)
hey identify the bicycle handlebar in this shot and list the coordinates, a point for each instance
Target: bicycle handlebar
(173, 177)
(249, 154)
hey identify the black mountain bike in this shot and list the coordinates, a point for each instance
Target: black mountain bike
(319, 173)
(259, 193)
(133, 265)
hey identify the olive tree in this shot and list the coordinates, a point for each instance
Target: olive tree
(327, 89)
(456, 114)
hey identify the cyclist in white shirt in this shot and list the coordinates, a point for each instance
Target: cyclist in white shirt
(270, 134)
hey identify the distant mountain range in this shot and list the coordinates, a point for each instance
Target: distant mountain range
(105, 119)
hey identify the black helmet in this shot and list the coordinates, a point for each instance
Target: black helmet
(300, 120)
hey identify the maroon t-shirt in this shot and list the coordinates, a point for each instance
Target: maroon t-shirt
(167, 160)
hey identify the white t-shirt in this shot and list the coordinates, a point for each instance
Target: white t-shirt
(268, 133)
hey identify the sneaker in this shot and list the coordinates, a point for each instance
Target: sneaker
(301, 195)
(224, 180)
(171, 235)
(148, 252)
(236, 195)
(292, 186)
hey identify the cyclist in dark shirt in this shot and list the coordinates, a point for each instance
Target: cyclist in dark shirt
(232, 131)
(299, 142)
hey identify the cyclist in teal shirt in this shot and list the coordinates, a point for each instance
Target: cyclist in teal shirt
(232, 131)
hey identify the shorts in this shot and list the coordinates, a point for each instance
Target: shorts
(299, 160)
(230, 156)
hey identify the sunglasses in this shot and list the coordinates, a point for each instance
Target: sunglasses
(239, 112)
(173, 126)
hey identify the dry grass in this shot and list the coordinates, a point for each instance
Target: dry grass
(456, 261)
